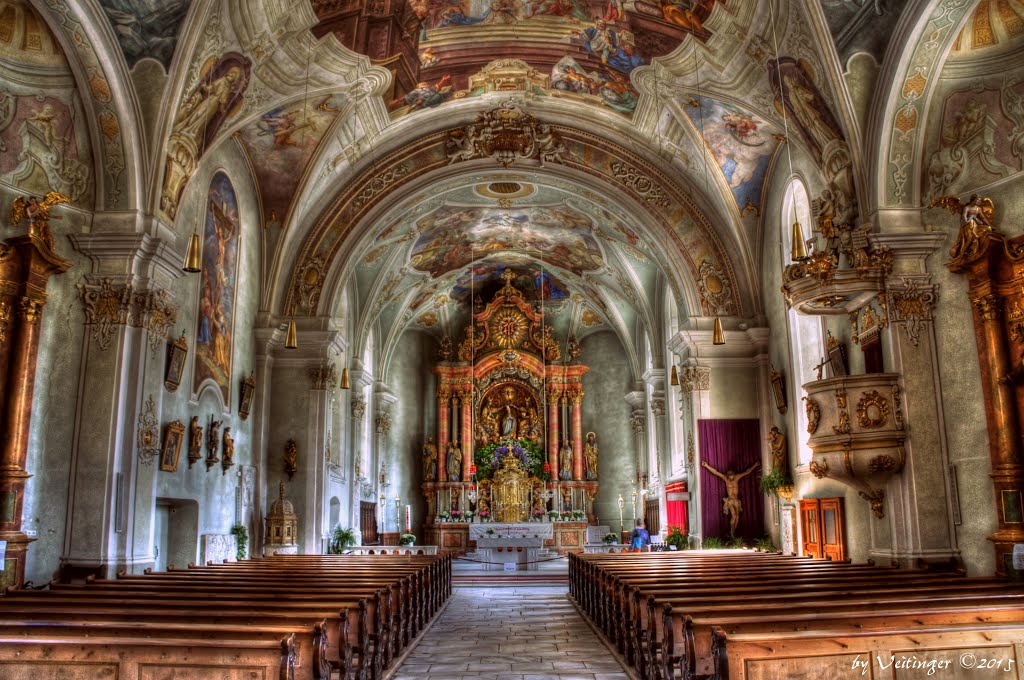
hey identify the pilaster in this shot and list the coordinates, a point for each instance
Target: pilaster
(919, 505)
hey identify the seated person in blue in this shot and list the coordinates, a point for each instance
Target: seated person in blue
(639, 539)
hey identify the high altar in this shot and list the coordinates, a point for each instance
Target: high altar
(506, 396)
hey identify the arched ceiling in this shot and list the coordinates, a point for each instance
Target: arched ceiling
(346, 109)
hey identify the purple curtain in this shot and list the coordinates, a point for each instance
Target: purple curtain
(730, 445)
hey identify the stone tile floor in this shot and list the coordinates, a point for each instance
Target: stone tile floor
(513, 633)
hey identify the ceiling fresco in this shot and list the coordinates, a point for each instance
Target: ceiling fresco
(279, 145)
(452, 237)
(146, 28)
(452, 49)
(741, 143)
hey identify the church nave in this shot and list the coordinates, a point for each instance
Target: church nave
(510, 633)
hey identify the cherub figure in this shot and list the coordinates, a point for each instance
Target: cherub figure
(38, 214)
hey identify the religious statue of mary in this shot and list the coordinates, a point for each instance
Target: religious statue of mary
(508, 425)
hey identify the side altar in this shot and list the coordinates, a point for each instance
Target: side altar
(510, 444)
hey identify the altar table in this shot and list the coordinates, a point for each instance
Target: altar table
(496, 552)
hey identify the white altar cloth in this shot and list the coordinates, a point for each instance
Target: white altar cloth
(497, 552)
(524, 530)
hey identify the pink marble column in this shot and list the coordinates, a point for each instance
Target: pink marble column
(577, 435)
(553, 433)
(467, 436)
(442, 435)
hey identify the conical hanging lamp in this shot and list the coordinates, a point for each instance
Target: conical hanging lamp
(345, 384)
(799, 251)
(718, 338)
(675, 376)
(193, 262)
(291, 340)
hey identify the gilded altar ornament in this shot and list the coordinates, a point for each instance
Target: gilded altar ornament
(819, 470)
(38, 214)
(505, 134)
(813, 412)
(195, 442)
(445, 352)
(872, 410)
(877, 501)
(976, 226)
(291, 458)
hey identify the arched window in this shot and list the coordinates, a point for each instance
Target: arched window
(806, 338)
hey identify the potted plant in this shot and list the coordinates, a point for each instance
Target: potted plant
(241, 535)
(676, 538)
(578, 515)
(484, 515)
(340, 540)
(456, 515)
(610, 539)
(490, 531)
(773, 481)
(538, 515)
(444, 516)
(406, 539)
(712, 543)
(553, 516)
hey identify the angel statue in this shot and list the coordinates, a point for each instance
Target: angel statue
(975, 225)
(38, 214)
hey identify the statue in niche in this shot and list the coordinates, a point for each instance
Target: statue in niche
(483, 502)
(565, 461)
(590, 456)
(508, 424)
(731, 506)
(213, 441)
(454, 463)
(539, 500)
(430, 460)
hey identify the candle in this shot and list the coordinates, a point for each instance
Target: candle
(408, 519)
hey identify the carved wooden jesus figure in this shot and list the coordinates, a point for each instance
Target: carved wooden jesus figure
(731, 506)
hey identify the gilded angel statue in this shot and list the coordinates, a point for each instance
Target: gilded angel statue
(976, 217)
(38, 214)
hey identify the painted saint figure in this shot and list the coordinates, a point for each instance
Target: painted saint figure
(731, 506)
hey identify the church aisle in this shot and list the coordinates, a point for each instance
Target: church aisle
(516, 633)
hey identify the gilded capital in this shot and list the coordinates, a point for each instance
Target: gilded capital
(987, 307)
(30, 309)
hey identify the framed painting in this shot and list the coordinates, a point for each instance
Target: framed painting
(173, 436)
(176, 363)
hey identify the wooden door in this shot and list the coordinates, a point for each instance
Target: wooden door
(368, 522)
(833, 543)
(810, 521)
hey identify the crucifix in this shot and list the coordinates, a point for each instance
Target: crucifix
(823, 364)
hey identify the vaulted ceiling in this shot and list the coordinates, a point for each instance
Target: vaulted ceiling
(672, 118)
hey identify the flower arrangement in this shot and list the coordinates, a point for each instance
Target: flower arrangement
(456, 515)
(538, 514)
(553, 516)
(406, 539)
(490, 532)
(578, 515)
(483, 514)
(488, 458)
(610, 539)
(444, 516)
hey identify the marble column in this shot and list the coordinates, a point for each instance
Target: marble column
(577, 434)
(554, 396)
(383, 400)
(26, 265)
(467, 435)
(443, 419)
